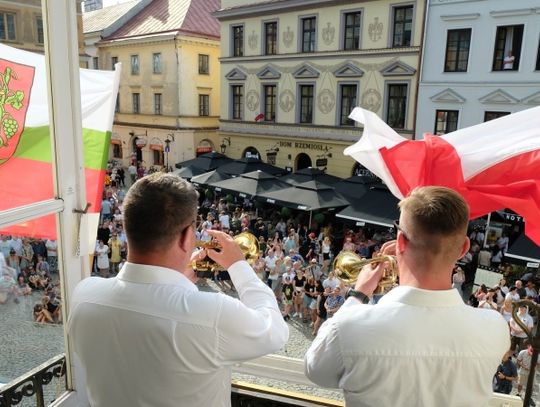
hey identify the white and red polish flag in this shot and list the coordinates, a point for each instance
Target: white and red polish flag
(494, 165)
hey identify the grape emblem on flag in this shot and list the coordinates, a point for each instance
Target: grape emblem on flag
(15, 84)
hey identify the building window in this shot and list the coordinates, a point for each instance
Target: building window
(158, 157)
(114, 61)
(238, 40)
(157, 103)
(136, 98)
(348, 103)
(309, 33)
(397, 105)
(237, 102)
(458, 43)
(156, 63)
(204, 105)
(117, 105)
(270, 103)
(351, 39)
(270, 38)
(306, 103)
(445, 121)
(117, 151)
(402, 26)
(203, 64)
(508, 48)
(134, 64)
(39, 30)
(538, 57)
(494, 115)
(95, 62)
(7, 27)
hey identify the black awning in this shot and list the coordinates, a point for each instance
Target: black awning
(377, 206)
(524, 249)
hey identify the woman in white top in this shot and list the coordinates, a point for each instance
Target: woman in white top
(326, 254)
(457, 280)
(102, 251)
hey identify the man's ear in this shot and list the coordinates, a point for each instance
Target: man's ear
(465, 247)
(401, 242)
(184, 240)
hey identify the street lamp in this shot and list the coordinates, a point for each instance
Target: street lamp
(223, 146)
(167, 150)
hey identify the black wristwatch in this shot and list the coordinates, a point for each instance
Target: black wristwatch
(359, 295)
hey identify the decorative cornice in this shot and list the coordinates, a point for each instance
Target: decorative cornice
(448, 96)
(398, 68)
(512, 13)
(377, 52)
(460, 17)
(236, 75)
(498, 96)
(306, 71)
(273, 7)
(348, 70)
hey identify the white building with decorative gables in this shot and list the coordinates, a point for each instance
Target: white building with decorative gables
(481, 60)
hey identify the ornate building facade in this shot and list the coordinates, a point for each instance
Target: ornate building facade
(481, 61)
(292, 71)
(168, 103)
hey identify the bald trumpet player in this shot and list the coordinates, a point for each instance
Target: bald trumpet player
(420, 345)
(149, 337)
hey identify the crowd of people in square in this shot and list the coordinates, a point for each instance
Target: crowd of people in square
(28, 266)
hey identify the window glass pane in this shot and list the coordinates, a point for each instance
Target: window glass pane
(306, 104)
(397, 105)
(25, 144)
(238, 102)
(156, 63)
(31, 304)
(39, 30)
(308, 34)
(348, 103)
(402, 26)
(507, 50)
(270, 103)
(352, 31)
(134, 64)
(270, 38)
(457, 50)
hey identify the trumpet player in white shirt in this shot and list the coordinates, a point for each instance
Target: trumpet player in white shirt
(420, 345)
(149, 337)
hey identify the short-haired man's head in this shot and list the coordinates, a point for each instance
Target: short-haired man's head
(433, 211)
(157, 209)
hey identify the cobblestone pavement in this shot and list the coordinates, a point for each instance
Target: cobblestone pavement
(25, 344)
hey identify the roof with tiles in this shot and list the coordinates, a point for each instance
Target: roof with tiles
(192, 17)
(98, 20)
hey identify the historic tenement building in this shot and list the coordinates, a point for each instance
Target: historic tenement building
(481, 61)
(292, 71)
(168, 103)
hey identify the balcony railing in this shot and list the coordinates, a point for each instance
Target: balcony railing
(32, 383)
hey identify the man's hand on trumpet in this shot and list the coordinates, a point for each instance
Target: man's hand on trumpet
(371, 274)
(229, 253)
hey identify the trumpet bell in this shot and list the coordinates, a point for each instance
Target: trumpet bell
(248, 243)
(348, 265)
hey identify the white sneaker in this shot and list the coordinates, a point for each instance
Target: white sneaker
(295, 314)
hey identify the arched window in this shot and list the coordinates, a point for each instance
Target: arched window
(251, 152)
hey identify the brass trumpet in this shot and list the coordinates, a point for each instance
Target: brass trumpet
(248, 244)
(348, 265)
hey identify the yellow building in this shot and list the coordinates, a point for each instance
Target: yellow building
(291, 72)
(168, 102)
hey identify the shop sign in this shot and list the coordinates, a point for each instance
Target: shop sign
(533, 265)
(303, 145)
(512, 217)
(321, 162)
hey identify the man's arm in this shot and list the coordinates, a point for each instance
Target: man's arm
(323, 362)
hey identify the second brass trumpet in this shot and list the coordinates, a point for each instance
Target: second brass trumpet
(348, 265)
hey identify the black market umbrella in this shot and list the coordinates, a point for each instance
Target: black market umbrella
(188, 172)
(206, 162)
(250, 164)
(377, 206)
(307, 196)
(207, 178)
(310, 174)
(251, 184)
(355, 187)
